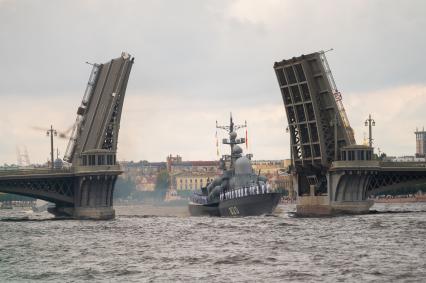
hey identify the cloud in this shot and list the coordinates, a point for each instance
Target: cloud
(152, 126)
(198, 60)
(397, 112)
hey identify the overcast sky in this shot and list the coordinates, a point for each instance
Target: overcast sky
(196, 61)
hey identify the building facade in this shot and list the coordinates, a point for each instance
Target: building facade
(143, 174)
(420, 143)
(190, 181)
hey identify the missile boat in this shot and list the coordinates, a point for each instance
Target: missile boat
(239, 191)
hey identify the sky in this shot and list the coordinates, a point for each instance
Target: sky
(197, 61)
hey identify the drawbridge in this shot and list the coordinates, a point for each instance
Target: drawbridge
(84, 190)
(331, 172)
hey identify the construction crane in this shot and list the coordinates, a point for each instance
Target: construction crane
(22, 156)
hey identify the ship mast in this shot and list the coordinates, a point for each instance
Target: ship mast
(232, 141)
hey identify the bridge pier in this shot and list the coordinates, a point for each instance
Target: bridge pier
(322, 206)
(346, 194)
(93, 199)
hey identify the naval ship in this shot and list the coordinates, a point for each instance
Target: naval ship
(238, 191)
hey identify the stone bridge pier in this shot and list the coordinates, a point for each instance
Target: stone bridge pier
(93, 198)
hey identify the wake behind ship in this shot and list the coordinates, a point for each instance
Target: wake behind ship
(238, 191)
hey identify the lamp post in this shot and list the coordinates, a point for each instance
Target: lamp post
(50, 133)
(370, 123)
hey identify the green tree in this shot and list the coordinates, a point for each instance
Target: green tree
(124, 187)
(162, 184)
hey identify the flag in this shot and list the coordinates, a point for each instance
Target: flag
(217, 145)
(246, 140)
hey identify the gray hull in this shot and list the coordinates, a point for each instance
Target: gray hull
(250, 205)
(244, 206)
(211, 209)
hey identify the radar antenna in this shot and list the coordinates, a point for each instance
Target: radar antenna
(232, 141)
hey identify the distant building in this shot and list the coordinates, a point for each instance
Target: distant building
(277, 173)
(143, 173)
(420, 143)
(193, 181)
(270, 167)
(186, 176)
(405, 159)
(175, 165)
(173, 160)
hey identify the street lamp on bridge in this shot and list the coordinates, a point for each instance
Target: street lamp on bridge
(370, 123)
(50, 133)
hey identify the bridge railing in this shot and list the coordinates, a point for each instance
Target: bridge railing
(402, 164)
(376, 164)
(97, 168)
(5, 172)
(33, 171)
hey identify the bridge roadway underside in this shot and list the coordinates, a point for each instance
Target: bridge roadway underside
(79, 195)
(349, 185)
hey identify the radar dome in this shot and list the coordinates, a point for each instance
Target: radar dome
(237, 150)
(243, 166)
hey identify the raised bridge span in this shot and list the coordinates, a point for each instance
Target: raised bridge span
(331, 173)
(84, 190)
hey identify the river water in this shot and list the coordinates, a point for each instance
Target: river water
(160, 244)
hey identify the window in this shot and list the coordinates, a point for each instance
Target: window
(343, 155)
(368, 155)
(84, 160)
(101, 160)
(109, 160)
(91, 160)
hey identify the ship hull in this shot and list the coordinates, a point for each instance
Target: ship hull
(252, 205)
(196, 209)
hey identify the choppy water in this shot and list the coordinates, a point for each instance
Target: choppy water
(140, 247)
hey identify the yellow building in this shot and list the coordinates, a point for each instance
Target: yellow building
(270, 167)
(277, 173)
(192, 181)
